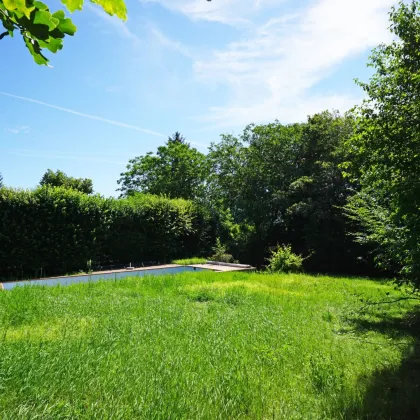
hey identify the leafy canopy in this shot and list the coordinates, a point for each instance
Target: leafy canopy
(60, 179)
(284, 183)
(177, 170)
(42, 29)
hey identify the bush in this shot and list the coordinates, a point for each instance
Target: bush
(55, 230)
(221, 254)
(284, 260)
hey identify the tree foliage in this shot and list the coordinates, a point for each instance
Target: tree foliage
(60, 179)
(42, 29)
(272, 184)
(177, 137)
(386, 148)
(283, 184)
(177, 170)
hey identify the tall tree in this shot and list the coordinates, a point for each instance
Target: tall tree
(177, 170)
(386, 147)
(42, 29)
(177, 137)
(60, 179)
(314, 217)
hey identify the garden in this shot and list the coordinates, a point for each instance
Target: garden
(325, 324)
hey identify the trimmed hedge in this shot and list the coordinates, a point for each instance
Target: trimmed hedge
(54, 230)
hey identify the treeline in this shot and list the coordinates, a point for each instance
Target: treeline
(274, 184)
(57, 230)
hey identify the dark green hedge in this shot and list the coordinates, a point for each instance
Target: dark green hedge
(52, 231)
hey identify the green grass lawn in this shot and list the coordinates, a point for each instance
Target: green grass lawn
(208, 345)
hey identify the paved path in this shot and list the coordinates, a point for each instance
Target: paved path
(223, 268)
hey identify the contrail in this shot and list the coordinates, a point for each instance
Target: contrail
(81, 114)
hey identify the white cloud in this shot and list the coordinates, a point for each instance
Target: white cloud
(21, 129)
(271, 71)
(233, 12)
(282, 54)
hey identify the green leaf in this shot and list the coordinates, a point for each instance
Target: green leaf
(53, 44)
(56, 33)
(40, 6)
(59, 14)
(35, 50)
(33, 30)
(10, 4)
(43, 17)
(113, 7)
(65, 25)
(73, 5)
(19, 5)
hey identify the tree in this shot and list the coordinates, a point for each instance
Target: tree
(60, 179)
(177, 171)
(385, 149)
(42, 29)
(227, 163)
(177, 137)
(314, 217)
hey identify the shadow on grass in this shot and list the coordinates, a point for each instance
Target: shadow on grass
(392, 393)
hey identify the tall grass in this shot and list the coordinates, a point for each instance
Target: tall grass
(196, 345)
(190, 261)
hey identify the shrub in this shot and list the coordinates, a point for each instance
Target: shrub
(284, 260)
(220, 253)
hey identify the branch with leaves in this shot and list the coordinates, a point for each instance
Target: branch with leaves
(42, 29)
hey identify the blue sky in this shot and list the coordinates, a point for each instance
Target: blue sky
(118, 90)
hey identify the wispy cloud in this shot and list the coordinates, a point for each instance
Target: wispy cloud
(81, 114)
(170, 43)
(125, 32)
(20, 129)
(232, 12)
(282, 54)
(270, 73)
(120, 26)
